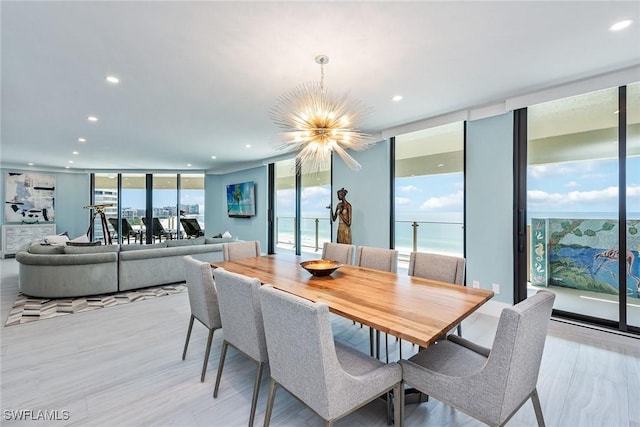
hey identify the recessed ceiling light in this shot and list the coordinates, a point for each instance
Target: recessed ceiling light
(616, 112)
(441, 165)
(247, 145)
(620, 25)
(67, 167)
(82, 140)
(112, 79)
(70, 161)
(75, 153)
(30, 164)
(397, 98)
(92, 118)
(214, 157)
(188, 164)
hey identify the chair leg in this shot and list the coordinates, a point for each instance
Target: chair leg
(186, 342)
(206, 355)
(256, 390)
(460, 329)
(371, 341)
(270, 399)
(398, 405)
(223, 355)
(386, 346)
(537, 408)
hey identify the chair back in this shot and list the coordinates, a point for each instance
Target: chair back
(443, 268)
(114, 223)
(377, 258)
(302, 354)
(514, 360)
(191, 227)
(240, 313)
(203, 298)
(157, 228)
(340, 252)
(238, 250)
(126, 227)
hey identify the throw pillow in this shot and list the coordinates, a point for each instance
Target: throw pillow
(226, 235)
(56, 240)
(81, 239)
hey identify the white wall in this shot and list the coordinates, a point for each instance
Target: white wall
(489, 204)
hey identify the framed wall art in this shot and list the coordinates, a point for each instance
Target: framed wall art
(29, 198)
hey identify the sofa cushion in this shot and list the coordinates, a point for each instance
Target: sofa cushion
(95, 249)
(210, 240)
(125, 248)
(44, 249)
(181, 242)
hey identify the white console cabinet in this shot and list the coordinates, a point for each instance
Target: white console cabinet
(14, 236)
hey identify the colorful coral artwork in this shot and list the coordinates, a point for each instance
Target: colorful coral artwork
(584, 254)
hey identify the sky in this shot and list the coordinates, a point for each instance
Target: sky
(581, 186)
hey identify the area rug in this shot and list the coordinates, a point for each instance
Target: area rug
(29, 309)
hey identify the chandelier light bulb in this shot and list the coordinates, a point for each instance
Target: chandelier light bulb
(316, 123)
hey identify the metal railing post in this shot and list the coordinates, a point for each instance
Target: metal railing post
(415, 235)
(295, 240)
(317, 221)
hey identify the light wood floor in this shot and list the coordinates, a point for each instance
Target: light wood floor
(122, 366)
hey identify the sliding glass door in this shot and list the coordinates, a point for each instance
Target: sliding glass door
(577, 179)
(633, 204)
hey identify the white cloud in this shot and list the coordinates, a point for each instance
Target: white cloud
(408, 189)
(315, 191)
(403, 201)
(605, 195)
(449, 200)
(572, 184)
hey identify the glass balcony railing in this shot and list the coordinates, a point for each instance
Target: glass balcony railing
(428, 236)
(424, 236)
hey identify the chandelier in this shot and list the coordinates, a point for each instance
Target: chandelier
(317, 123)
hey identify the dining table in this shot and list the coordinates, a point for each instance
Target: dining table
(414, 309)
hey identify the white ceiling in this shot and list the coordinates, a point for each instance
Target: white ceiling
(198, 78)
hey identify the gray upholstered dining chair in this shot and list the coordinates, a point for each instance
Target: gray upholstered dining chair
(490, 385)
(340, 252)
(242, 324)
(238, 250)
(443, 268)
(332, 379)
(378, 259)
(203, 301)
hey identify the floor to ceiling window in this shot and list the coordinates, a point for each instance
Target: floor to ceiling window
(573, 205)
(315, 197)
(285, 204)
(170, 203)
(165, 207)
(105, 193)
(192, 198)
(429, 191)
(310, 197)
(633, 202)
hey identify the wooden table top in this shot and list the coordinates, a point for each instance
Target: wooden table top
(414, 309)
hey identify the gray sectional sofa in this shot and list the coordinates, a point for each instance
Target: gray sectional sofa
(49, 271)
